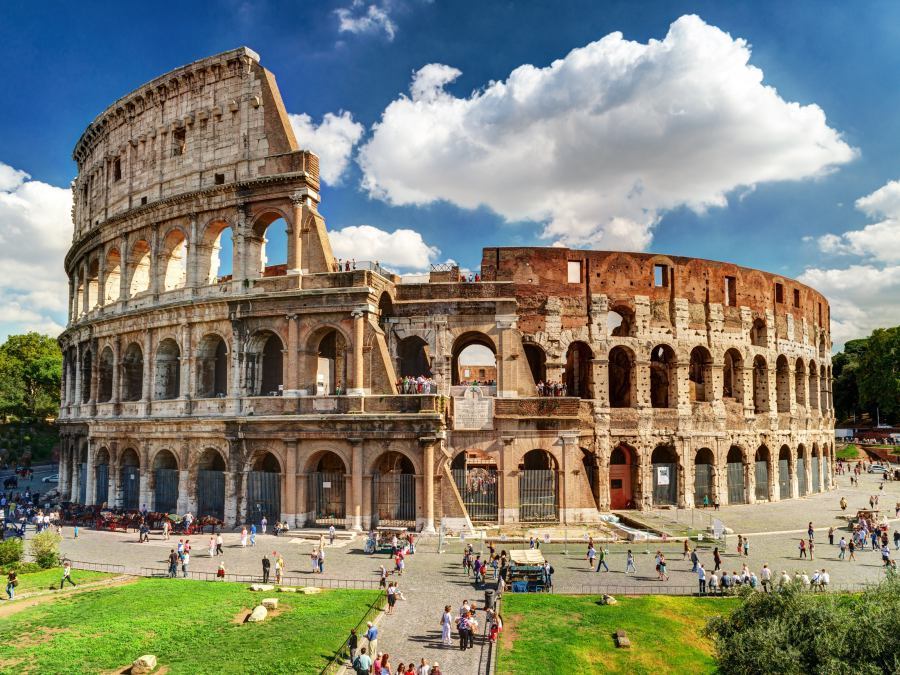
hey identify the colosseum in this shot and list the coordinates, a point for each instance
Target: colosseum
(554, 387)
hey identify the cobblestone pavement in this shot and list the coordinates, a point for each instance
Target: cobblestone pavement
(434, 579)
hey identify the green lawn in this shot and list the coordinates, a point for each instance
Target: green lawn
(573, 634)
(191, 626)
(41, 581)
(848, 453)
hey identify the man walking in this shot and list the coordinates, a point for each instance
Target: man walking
(601, 559)
(67, 574)
(842, 546)
(173, 563)
(629, 563)
(695, 560)
(765, 576)
(266, 564)
(372, 638)
(701, 576)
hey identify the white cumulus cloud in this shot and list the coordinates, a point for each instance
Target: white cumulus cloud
(332, 140)
(600, 143)
(866, 294)
(402, 248)
(35, 232)
(361, 18)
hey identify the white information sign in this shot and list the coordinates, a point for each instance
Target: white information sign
(662, 475)
(473, 411)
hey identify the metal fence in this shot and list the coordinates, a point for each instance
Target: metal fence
(97, 567)
(327, 498)
(736, 493)
(478, 488)
(692, 589)
(263, 496)
(537, 496)
(703, 483)
(394, 499)
(102, 483)
(291, 581)
(762, 480)
(784, 479)
(211, 493)
(340, 658)
(665, 484)
(165, 492)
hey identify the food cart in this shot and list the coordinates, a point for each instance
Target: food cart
(525, 573)
(380, 539)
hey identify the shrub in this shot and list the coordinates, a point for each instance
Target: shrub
(44, 549)
(10, 551)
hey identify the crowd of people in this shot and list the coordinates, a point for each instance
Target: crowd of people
(20, 509)
(417, 385)
(552, 389)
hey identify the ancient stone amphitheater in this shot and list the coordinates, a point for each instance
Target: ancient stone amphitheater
(199, 377)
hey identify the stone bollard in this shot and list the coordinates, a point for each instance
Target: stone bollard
(144, 664)
(259, 613)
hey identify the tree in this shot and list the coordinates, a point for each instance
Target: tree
(879, 372)
(30, 376)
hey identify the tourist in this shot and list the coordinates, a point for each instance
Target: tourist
(701, 576)
(852, 548)
(219, 542)
(602, 560)
(662, 569)
(695, 560)
(740, 544)
(810, 532)
(423, 669)
(253, 534)
(314, 561)
(67, 574)
(446, 621)
(173, 563)
(321, 560)
(212, 547)
(11, 582)
(436, 669)
(842, 547)
(263, 524)
(746, 547)
(685, 552)
(717, 559)
(810, 547)
(372, 638)
(716, 502)
(591, 554)
(382, 581)
(802, 548)
(824, 580)
(496, 627)
(331, 535)
(362, 664)
(629, 562)
(843, 502)
(166, 529)
(244, 537)
(185, 561)
(472, 629)
(352, 643)
(766, 577)
(266, 565)
(385, 664)
(897, 540)
(548, 575)
(391, 598)
(279, 567)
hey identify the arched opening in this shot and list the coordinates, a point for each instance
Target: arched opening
(800, 382)
(331, 368)
(663, 377)
(784, 472)
(393, 491)
(759, 333)
(385, 310)
(813, 386)
(212, 367)
(326, 491)
(761, 473)
(93, 283)
(733, 376)
(101, 478)
(760, 386)
(822, 346)
(167, 372)
(132, 373)
(216, 258)
(704, 478)
(537, 361)
(264, 489)
(113, 281)
(474, 360)
(130, 479)
(476, 478)
(737, 492)
(538, 501)
(620, 321)
(700, 375)
(578, 373)
(621, 378)
(823, 390)
(265, 364)
(104, 395)
(139, 266)
(783, 384)
(173, 261)
(78, 300)
(664, 464)
(622, 477)
(165, 482)
(802, 482)
(271, 232)
(414, 357)
(86, 365)
(814, 469)
(211, 484)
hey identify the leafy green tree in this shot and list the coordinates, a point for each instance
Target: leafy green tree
(30, 375)
(879, 372)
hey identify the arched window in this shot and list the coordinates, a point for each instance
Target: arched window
(167, 370)
(93, 283)
(704, 478)
(733, 376)
(782, 384)
(211, 484)
(139, 266)
(86, 364)
(265, 364)
(331, 365)
(578, 374)
(664, 461)
(264, 489)
(385, 310)
(271, 232)
(212, 367)
(700, 374)
(132, 373)
(412, 352)
(620, 321)
(759, 333)
(800, 382)
(113, 281)
(663, 377)
(737, 492)
(173, 261)
(216, 253)
(106, 376)
(537, 361)
(474, 359)
(760, 386)
(621, 378)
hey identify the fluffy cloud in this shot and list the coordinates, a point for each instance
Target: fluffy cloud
(35, 231)
(332, 141)
(866, 294)
(366, 19)
(600, 143)
(403, 249)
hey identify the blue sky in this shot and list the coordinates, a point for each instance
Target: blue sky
(67, 61)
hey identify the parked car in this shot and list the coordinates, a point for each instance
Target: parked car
(878, 468)
(53, 478)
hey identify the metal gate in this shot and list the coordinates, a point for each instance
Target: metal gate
(665, 484)
(478, 488)
(82, 483)
(394, 499)
(101, 490)
(131, 487)
(211, 493)
(165, 494)
(801, 476)
(327, 499)
(736, 493)
(703, 483)
(762, 480)
(263, 496)
(537, 496)
(815, 474)
(784, 479)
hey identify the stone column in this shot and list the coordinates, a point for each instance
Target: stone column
(600, 375)
(116, 373)
(193, 261)
(565, 483)
(147, 384)
(750, 477)
(641, 379)
(78, 379)
(95, 376)
(187, 360)
(231, 499)
(90, 476)
(289, 492)
(428, 478)
(358, 386)
(294, 242)
(356, 483)
(72, 312)
(75, 488)
(101, 279)
(183, 505)
(154, 260)
(85, 289)
(367, 502)
(63, 484)
(124, 272)
(291, 387)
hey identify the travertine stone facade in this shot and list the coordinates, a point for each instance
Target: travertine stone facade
(272, 390)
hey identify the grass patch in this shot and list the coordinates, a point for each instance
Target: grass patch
(188, 625)
(848, 452)
(45, 579)
(573, 634)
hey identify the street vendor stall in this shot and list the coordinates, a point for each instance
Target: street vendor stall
(381, 539)
(526, 570)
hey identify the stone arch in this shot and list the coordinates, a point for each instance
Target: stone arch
(265, 363)
(268, 244)
(800, 382)
(733, 376)
(328, 460)
(469, 342)
(105, 383)
(113, 280)
(130, 479)
(210, 468)
(132, 372)
(700, 375)
(216, 255)
(735, 463)
(330, 348)
(394, 489)
(538, 487)
(760, 385)
(327, 475)
(785, 471)
(93, 282)
(621, 377)
(139, 266)
(623, 473)
(537, 361)
(167, 370)
(704, 477)
(620, 320)
(173, 260)
(164, 458)
(763, 471)
(414, 358)
(385, 309)
(802, 468)
(212, 367)
(86, 375)
(663, 377)
(264, 487)
(782, 384)
(578, 373)
(102, 460)
(664, 466)
(759, 333)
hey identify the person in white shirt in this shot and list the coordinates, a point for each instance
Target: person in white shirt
(824, 579)
(765, 575)
(713, 583)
